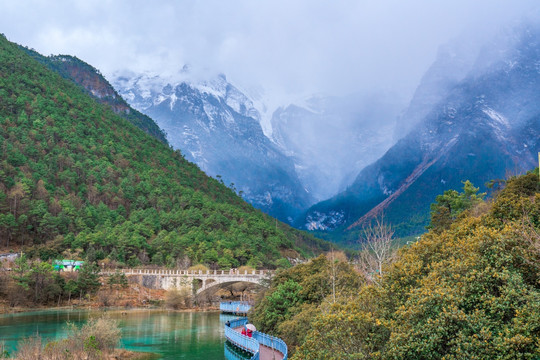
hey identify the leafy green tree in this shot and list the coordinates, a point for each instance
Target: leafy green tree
(344, 330)
(117, 279)
(280, 303)
(296, 293)
(451, 204)
(88, 279)
(39, 282)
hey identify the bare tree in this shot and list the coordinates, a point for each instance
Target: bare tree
(376, 250)
(333, 276)
(334, 258)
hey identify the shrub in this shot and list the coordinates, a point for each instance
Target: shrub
(178, 299)
(95, 340)
(243, 269)
(198, 267)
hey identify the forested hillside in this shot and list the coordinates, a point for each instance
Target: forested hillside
(468, 289)
(91, 80)
(76, 176)
(218, 128)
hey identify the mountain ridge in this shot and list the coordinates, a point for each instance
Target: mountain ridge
(485, 125)
(219, 129)
(95, 84)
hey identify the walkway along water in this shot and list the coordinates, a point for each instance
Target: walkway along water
(261, 345)
(235, 307)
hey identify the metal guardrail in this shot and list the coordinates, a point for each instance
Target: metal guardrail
(232, 353)
(272, 342)
(247, 343)
(235, 307)
(242, 341)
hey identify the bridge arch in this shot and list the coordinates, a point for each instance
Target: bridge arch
(213, 287)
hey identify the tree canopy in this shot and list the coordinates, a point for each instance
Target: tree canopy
(468, 290)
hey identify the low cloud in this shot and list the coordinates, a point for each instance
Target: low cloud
(287, 47)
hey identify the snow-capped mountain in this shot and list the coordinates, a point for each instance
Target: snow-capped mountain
(332, 138)
(216, 126)
(483, 126)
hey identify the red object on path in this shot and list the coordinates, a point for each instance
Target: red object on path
(265, 352)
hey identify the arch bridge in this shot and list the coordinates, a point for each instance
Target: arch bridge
(209, 280)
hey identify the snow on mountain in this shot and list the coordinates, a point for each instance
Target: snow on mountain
(218, 127)
(482, 123)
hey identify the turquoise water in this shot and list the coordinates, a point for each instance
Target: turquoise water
(173, 335)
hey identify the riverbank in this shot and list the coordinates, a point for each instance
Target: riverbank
(19, 309)
(123, 354)
(131, 297)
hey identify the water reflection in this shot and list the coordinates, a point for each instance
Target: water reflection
(234, 353)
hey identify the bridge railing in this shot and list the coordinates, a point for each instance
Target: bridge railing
(231, 354)
(272, 342)
(242, 341)
(235, 307)
(259, 337)
(178, 272)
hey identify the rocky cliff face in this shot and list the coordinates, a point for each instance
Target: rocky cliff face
(216, 126)
(482, 127)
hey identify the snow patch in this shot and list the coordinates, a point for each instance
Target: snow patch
(451, 112)
(173, 98)
(159, 99)
(510, 64)
(324, 221)
(496, 116)
(382, 185)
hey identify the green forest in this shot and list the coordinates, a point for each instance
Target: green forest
(90, 80)
(468, 289)
(76, 178)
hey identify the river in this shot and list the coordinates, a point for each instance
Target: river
(172, 335)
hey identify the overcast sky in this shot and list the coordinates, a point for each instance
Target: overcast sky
(285, 46)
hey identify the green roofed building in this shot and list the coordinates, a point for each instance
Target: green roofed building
(67, 265)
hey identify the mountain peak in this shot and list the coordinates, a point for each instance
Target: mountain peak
(218, 127)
